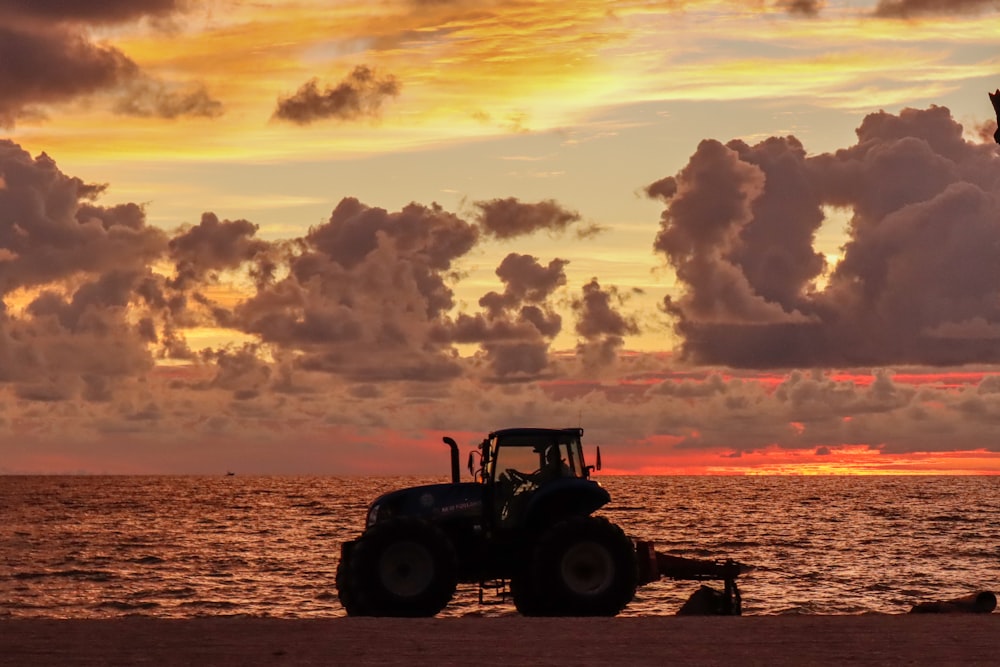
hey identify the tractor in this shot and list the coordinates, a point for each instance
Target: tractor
(525, 524)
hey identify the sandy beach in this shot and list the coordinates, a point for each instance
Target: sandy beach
(958, 639)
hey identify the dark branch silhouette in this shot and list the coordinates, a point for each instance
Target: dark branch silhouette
(995, 99)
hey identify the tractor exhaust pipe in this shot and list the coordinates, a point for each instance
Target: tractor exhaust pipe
(456, 476)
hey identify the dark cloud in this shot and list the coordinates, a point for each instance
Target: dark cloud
(525, 280)
(908, 8)
(597, 315)
(918, 282)
(148, 98)
(359, 95)
(702, 233)
(520, 327)
(518, 361)
(507, 218)
(211, 246)
(802, 7)
(519, 323)
(897, 8)
(125, 215)
(428, 234)
(76, 337)
(48, 56)
(601, 325)
(368, 279)
(241, 371)
(47, 235)
(53, 66)
(62, 348)
(665, 188)
(90, 303)
(106, 11)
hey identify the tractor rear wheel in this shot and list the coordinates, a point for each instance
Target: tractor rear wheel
(584, 566)
(525, 593)
(403, 567)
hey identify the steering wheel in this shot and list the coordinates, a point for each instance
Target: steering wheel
(515, 476)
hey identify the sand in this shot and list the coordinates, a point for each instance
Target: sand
(933, 639)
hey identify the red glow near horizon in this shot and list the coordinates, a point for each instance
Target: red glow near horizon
(848, 460)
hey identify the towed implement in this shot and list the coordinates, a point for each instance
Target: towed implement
(525, 525)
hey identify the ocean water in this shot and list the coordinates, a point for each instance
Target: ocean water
(91, 547)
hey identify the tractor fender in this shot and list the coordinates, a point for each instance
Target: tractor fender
(565, 497)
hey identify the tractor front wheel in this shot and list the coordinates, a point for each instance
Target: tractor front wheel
(403, 567)
(345, 585)
(584, 566)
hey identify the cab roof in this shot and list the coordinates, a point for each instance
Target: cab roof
(558, 434)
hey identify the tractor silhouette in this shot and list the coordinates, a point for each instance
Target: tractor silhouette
(524, 525)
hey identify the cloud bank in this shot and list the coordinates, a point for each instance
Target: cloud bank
(918, 282)
(351, 329)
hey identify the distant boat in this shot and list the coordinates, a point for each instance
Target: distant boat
(230, 474)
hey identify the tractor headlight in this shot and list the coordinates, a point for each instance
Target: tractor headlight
(372, 516)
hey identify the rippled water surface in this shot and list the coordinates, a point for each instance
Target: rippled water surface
(268, 546)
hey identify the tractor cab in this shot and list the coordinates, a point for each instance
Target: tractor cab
(530, 453)
(536, 474)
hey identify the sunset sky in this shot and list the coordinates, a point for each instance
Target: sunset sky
(313, 237)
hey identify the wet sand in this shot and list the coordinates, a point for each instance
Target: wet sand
(931, 639)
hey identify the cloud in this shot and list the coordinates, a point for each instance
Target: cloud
(77, 346)
(918, 263)
(526, 280)
(85, 264)
(359, 95)
(598, 317)
(517, 325)
(48, 56)
(55, 66)
(241, 371)
(703, 236)
(908, 8)
(148, 98)
(509, 217)
(354, 326)
(52, 237)
(213, 245)
(366, 280)
(803, 7)
(106, 11)
(600, 324)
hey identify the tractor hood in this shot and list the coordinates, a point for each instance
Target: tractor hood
(436, 502)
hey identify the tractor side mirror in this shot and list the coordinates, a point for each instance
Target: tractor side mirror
(471, 458)
(596, 466)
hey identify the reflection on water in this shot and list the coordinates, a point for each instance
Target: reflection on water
(268, 546)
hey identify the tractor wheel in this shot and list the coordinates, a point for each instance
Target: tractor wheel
(403, 567)
(525, 593)
(345, 589)
(584, 566)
